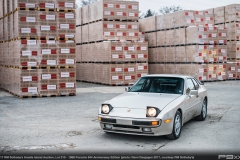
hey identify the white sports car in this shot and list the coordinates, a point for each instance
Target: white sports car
(155, 105)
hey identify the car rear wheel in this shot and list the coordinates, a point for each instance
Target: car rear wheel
(203, 114)
(177, 126)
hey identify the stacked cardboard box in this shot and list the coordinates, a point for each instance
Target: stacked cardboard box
(114, 74)
(111, 50)
(233, 69)
(229, 17)
(115, 52)
(202, 71)
(39, 51)
(186, 39)
(233, 44)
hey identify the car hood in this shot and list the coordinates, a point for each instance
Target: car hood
(137, 100)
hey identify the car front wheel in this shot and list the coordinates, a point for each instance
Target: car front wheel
(177, 126)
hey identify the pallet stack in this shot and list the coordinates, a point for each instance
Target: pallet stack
(38, 48)
(110, 48)
(186, 42)
(229, 17)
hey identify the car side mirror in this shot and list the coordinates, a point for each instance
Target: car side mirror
(127, 89)
(197, 87)
(193, 92)
(202, 82)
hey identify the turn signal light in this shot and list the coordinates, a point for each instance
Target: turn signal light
(99, 118)
(167, 120)
(154, 123)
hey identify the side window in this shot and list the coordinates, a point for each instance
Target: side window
(190, 86)
(199, 83)
(195, 84)
(141, 85)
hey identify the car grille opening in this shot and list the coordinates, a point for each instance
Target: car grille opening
(142, 123)
(109, 120)
(124, 126)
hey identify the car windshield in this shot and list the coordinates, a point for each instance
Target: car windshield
(170, 85)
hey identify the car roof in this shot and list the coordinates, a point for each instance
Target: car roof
(168, 75)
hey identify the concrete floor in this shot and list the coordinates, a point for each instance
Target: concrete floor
(69, 125)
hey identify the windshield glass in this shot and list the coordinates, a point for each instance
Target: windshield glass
(169, 85)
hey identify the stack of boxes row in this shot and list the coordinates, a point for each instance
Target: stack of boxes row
(229, 17)
(110, 48)
(37, 49)
(186, 42)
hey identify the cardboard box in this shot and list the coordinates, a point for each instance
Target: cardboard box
(200, 71)
(199, 18)
(196, 53)
(238, 69)
(209, 17)
(160, 22)
(148, 24)
(62, 4)
(170, 54)
(219, 15)
(161, 54)
(157, 68)
(170, 34)
(79, 35)
(180, 36)
(222, 75)
(181, 55)
(152, 55)
(212, 71)
(78, 53)
(233, 31)
(152, 39)
(231, 69)
(79, 16)
(232, 12)
(233, 48)
(161, 38)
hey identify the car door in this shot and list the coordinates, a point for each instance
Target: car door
(190, 102)
(199, 100)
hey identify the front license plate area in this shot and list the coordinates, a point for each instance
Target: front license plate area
(125, 122)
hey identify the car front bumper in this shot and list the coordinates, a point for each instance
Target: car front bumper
(134, 126)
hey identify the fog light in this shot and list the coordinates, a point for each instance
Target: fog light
(108, 126)
(146, 129)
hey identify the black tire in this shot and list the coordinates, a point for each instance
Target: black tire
(177, 127)
(203, 114)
